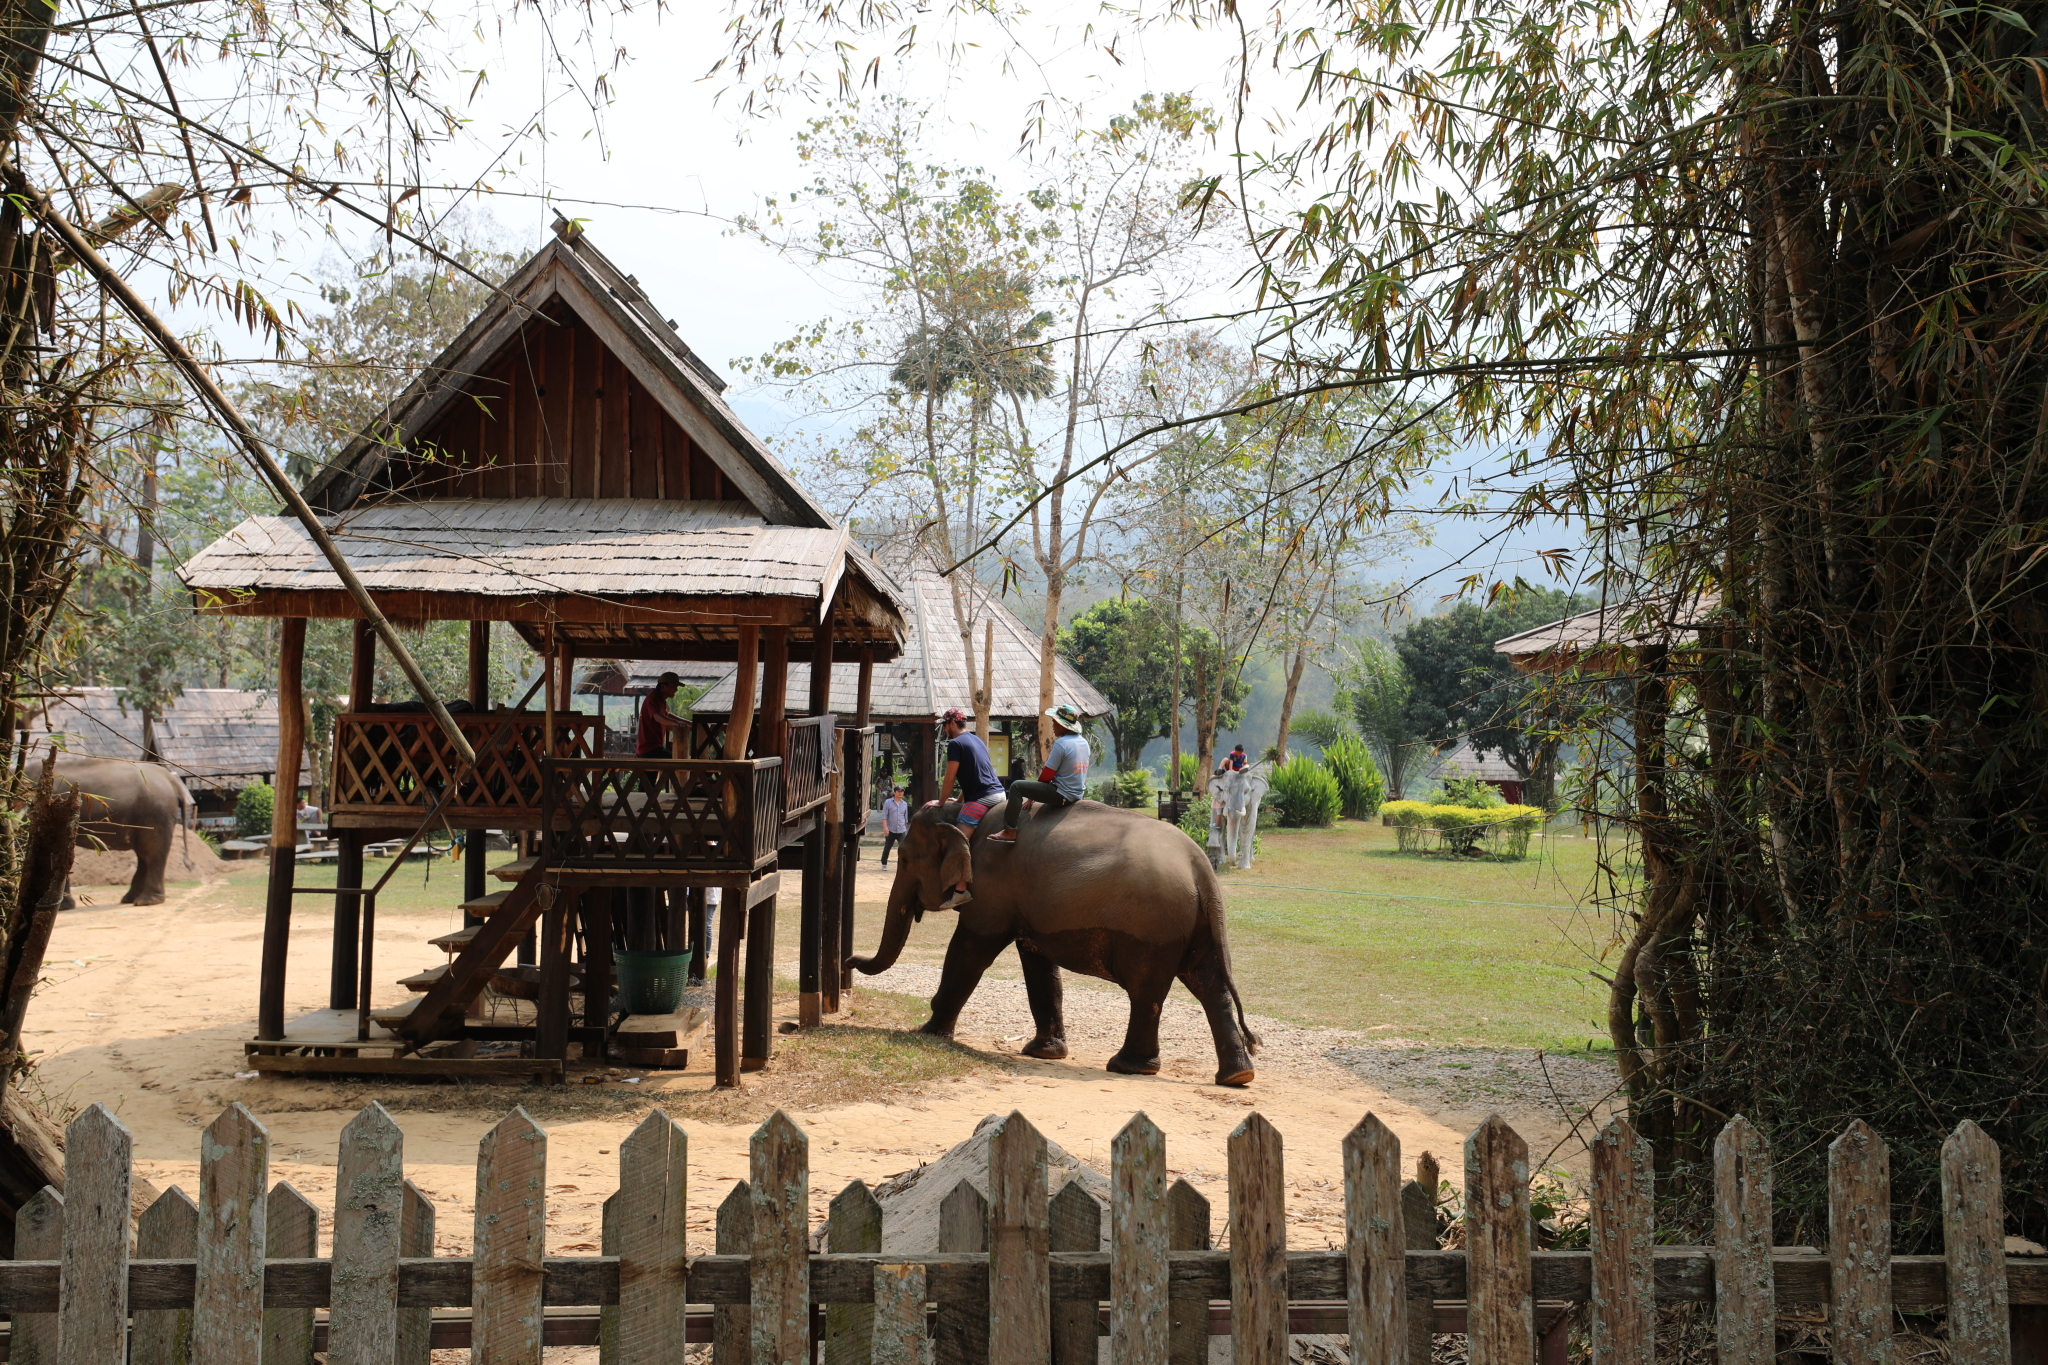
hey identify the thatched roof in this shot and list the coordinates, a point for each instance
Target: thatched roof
(569, 272)
(931, 672)
(213, 737)
(1603, 637)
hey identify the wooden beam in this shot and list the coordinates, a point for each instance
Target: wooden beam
(480, 664)
(650, 609)
(864, 697)
(740, 725)
(284, 829)
(821, 855)
(774, 694)
(362, 668)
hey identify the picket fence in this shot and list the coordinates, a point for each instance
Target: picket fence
(235, 1278)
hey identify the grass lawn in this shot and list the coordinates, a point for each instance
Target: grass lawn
(1437, 949)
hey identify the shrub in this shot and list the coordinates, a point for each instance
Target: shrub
(1306, 793)
(1320, 728)
(1195, 824)
(252, 810)
(1426, 827)
(1190, 772)
(1471, 792)
(1359, 785)
(1134, 789)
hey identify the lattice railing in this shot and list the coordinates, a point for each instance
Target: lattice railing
(656, 812)
(395, 761)
(804, 770)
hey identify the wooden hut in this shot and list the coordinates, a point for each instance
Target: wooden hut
(567, 468)
(911, 692)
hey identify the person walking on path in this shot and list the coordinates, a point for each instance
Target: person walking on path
(1061, 782)
(895, 822)
(967, 761)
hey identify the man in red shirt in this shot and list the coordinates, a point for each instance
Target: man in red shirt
(657, 722)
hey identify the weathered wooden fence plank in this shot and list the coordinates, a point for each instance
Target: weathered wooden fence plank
(1019, 1266)
(1429, 1175)
(291, 1230)
(1140, 1234)
(1075, 1220)
(1624, 1237)
(1258, 1244)
(233, 1238)
(369, 1206)
(853, 1222)
(510, 1242)
(93, 1281)
(1860, 1246)
(38, 1236)
(653, 1204)
(779, 1175)
(168, 1228)
(1375, 1243)
(961, 1334)
(899, 1315)
(415, 1238)
(1500, 1301)
(1187, 1229)
(1973, 1245)
(1745, 1318)
(1418, 1222)
(608, 1316)
(732, 1326)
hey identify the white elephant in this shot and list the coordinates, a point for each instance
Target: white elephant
(1238, 812)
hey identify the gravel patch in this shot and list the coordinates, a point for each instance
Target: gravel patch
(1555, 1087)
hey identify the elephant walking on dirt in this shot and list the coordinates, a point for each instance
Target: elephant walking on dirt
(1109, 893)
(129, 807)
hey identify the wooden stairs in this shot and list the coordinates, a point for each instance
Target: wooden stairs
(479, 951)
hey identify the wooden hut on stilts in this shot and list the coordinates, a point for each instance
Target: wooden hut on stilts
(568, 468)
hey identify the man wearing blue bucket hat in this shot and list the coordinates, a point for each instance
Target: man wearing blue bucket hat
(1061, 782)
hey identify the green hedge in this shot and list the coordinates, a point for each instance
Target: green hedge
(1426, 827)
(1359, 784)
(1307, 795)
(252, 810)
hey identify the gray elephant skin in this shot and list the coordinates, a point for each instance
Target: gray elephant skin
(1089, 888)
(130, 808)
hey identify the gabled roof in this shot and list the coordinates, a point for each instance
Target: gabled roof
(1603, 637)
(572, 271)
(212, 737)
(931, 673)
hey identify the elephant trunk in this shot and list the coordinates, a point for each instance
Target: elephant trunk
(895, 932)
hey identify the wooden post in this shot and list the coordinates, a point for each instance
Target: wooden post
(853, 1224)
(551, 1031)
(757, 1035)
(510, 1240)
(732, 1325)
(416, 1238)
(1376, 1254)
(1973, 1248)
(362, 668)
(1075, 1217)
(725, 1010)
(548, 689)
(1258, 1245)
(93, 1277)
(821, 848)
(961, 1334)
(369, 1203)
(1624, 1307)
(864, 695)
(39, 1236)
(292, 1230)
(596, 910)
(473, 852)
(169, 1230)
(774, 696)
(348, 920)
(1745, 1299)
(739, 724)
(778, 1178)
(899, 1315)
(234, 1204)
(653, 1208)
(1187, 1216)
(1418, 1222)
(1139, 1237)
(1500, 1299)
(1859, 1247)
(1019, 1263)
(284, 833)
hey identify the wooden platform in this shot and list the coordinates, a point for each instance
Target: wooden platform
(330, 1029)
(659, 1040)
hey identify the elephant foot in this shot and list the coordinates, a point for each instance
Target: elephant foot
(931, 1028)
(1045, 1049)
(144, 899)
(1124, 1066)
(1237, 1078)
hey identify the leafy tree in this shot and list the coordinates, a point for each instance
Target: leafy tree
(1124, 648)
(1375, 689)
(1321, 728)
(1460, 688)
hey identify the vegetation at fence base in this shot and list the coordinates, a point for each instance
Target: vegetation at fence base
(1359, 785)
(1131, 789)
(1500, 831)
(253, 809)
(1306, 793)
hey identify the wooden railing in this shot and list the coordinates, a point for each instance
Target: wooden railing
(806, 750)
(856, 774)
(243, 1261)
(654, 813)
(390, 765)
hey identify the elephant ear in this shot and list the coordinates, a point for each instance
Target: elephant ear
(956, 863)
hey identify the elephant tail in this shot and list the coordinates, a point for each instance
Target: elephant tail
(188, 816)
(1251, 1040)
(1212, 897)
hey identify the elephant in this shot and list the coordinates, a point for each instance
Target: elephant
(1106, 892)
(1243, 790)
(129, 807)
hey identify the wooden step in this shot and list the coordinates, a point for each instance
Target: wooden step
(419, 981)
(514, 870)
(456, 940)
(392, 1014)
(483, 907)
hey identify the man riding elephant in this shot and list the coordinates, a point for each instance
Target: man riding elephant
(1109, 893)
(129, 807)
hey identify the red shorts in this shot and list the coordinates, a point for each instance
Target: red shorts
(972, 811)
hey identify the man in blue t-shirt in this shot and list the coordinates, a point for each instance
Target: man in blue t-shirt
(967, 761)
(1061, 782)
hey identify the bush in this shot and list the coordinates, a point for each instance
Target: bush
(1470, 792)
(1308, 797)
(252, 810)
(1134, 789)
(1195, 824)
(1190, 772)
(1320, 728)
(1425, 827)
(1359, 785)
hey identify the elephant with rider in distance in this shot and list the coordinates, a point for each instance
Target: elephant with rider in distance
(1090, 888)
(129, 808)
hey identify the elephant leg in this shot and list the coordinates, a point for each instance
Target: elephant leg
(67, 903)
(1208, 983)
(1048, 1015)
(147, 887)
(967, 957)
(1139, 1056)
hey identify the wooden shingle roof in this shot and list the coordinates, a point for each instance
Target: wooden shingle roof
(212, 737)
(1606, 637)
(930, 674)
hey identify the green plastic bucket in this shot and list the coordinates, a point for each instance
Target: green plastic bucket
(651, 982)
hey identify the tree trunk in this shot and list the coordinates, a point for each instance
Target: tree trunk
(1287, 702)
(1173, 706)
(1048, 660)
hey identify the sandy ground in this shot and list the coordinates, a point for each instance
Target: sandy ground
(145, 1009)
